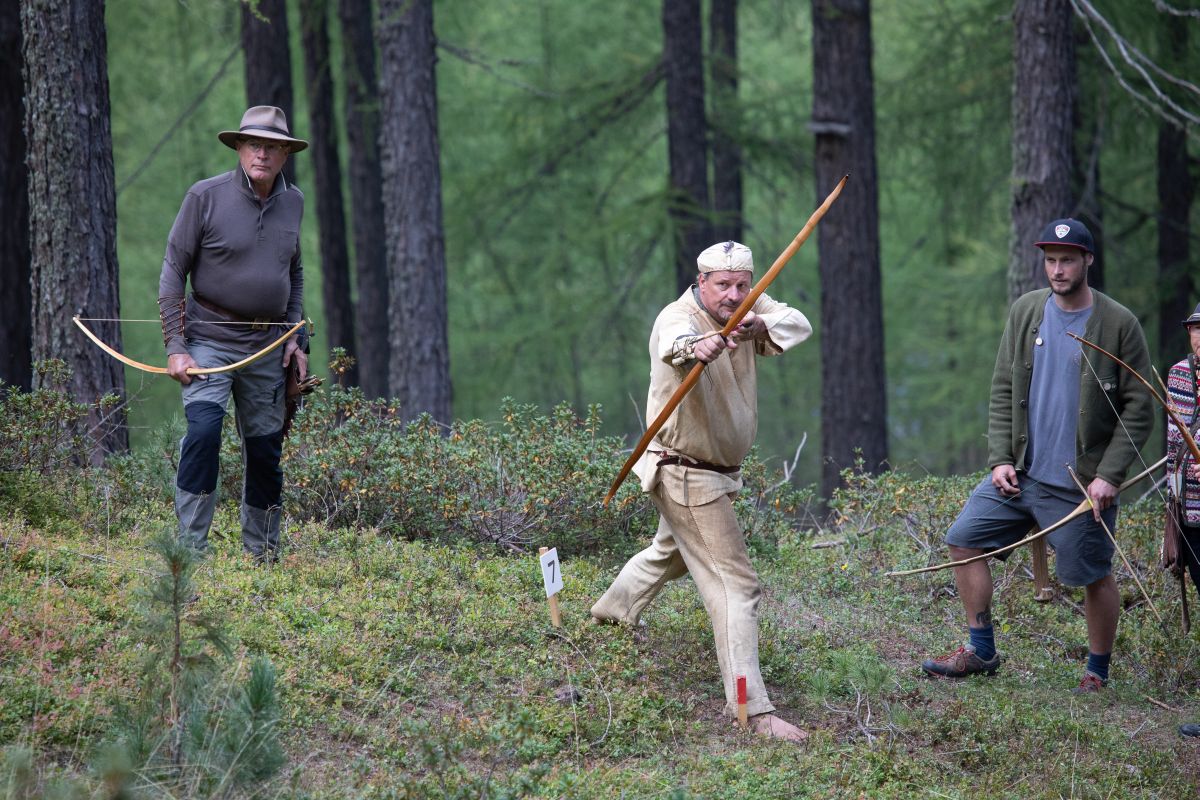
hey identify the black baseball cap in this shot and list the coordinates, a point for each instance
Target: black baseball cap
(1068, 232)
(1194, 319)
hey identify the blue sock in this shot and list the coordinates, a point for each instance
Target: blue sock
(1098, 664)
(984, 642)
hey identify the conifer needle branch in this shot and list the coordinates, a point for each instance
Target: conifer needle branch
(175, 126)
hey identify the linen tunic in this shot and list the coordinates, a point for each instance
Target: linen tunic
(718, 419)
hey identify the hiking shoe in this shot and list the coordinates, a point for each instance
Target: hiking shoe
(1190, 729)
(961, 663)
(1090, 684)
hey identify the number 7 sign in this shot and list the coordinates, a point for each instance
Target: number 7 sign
(551, 572)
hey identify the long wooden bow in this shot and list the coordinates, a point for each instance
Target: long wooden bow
(734, 320)
(1162, 401)
(1079, 510)
(250, 359)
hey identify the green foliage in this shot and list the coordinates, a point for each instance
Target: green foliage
(350, 461)
(190, 724)
(42, 430)
(42, 433)
(428, 669)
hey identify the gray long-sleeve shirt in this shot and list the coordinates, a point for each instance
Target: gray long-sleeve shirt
(240, 253)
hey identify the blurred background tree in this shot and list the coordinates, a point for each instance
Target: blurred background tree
(559, 207)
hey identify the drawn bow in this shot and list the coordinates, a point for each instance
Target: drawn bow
(735, 319)
(250, 359)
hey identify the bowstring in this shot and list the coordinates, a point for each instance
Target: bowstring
(1137, 450)
(190, 322)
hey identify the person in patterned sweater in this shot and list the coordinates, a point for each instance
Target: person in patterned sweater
(1183, 476)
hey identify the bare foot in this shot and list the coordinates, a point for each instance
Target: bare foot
(774, 727)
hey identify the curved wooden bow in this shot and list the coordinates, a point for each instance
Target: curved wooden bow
(1079, 510)
(1162, 401)
(250, 359)
(734, 320)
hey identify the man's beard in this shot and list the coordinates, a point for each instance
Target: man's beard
(1071, 288)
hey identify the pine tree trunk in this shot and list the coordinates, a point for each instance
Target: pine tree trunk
(412, 197)
(72, 202)
(853, 379)
(366, 195)
(15, 294)
(687, 131)
(726, 116)
(268, 62)
(1044, 101)
(327, 171)
(1175, 193)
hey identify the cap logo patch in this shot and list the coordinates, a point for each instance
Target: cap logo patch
(1061, 230)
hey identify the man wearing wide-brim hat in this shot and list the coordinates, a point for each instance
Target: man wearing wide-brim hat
(236, 239)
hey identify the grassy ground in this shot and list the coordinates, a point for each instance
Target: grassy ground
(411, 669)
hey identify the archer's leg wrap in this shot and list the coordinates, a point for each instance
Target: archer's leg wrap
(260, 531)
(195, 513)
(200, 450)
(196, 481)
(261, 493)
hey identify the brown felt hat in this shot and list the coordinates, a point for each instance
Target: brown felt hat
(263, 122)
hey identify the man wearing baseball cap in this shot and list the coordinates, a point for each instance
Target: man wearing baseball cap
(692, 469)
(237, 240)
(1055, 410)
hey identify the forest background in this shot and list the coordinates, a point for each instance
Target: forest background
(557, 211)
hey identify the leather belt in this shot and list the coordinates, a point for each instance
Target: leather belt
(255, 323)
(684, 461)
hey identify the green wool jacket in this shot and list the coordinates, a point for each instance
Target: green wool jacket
(1115, 411)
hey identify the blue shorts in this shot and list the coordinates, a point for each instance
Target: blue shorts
(1082, 550)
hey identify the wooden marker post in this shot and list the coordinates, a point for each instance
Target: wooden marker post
(741, 701)
(552, 578)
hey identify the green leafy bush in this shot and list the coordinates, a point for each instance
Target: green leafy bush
(353, 462)
(42, 430)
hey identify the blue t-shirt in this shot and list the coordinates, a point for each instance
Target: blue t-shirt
(1054, 395)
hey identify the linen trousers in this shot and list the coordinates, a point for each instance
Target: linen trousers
(705, 541)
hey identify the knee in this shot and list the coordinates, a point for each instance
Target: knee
(958, 553)
(200, 453)
(264, 477)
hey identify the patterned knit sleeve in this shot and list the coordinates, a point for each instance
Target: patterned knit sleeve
(1183, 401)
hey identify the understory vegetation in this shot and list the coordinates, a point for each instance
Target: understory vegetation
(402, 646)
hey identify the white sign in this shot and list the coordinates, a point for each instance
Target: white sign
(551, 572)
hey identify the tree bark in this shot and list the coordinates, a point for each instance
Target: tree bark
(16, 296)
(853, 379)
(687, 131)
(1175, 193)
(419, 371)
(327, 171)
(726, 116)
(72, 202)
(366, 195)
(1044, 113)
(268, 62)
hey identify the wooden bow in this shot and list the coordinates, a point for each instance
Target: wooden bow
(250, 359)
(1162, 401)
(1079, 510)
(734, 320)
